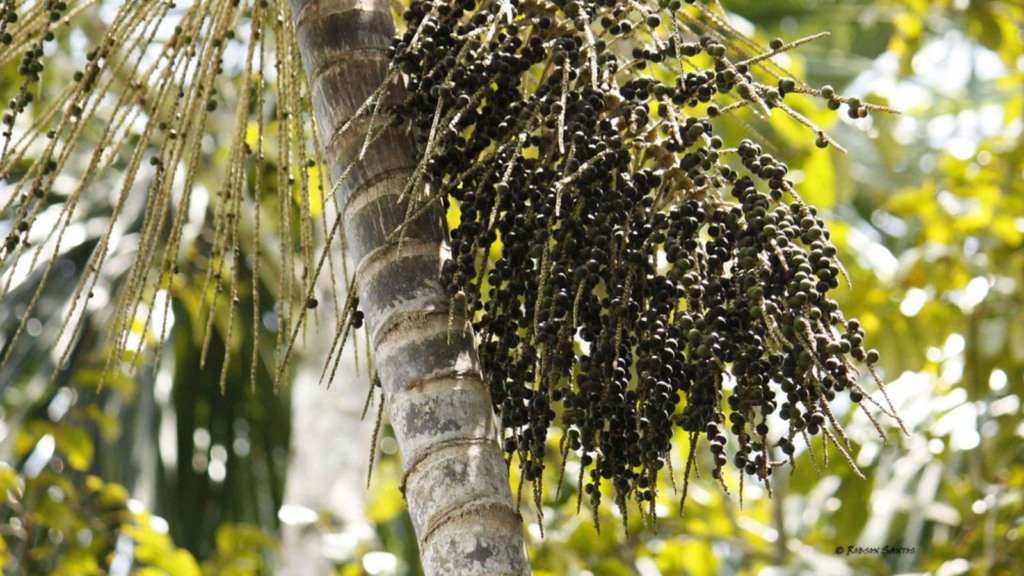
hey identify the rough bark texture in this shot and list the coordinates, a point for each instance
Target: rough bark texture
(456, 483)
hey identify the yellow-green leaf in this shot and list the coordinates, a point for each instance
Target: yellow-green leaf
(77, 446)
(819, 187)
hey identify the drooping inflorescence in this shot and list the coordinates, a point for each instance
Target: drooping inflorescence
(628, 272)
(93, 132)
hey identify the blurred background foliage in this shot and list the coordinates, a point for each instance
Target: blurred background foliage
(163, 473)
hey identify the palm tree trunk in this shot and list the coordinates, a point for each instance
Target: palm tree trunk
(455, 478)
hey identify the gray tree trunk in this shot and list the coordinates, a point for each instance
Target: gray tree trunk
(325, 479)
(455, 480)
